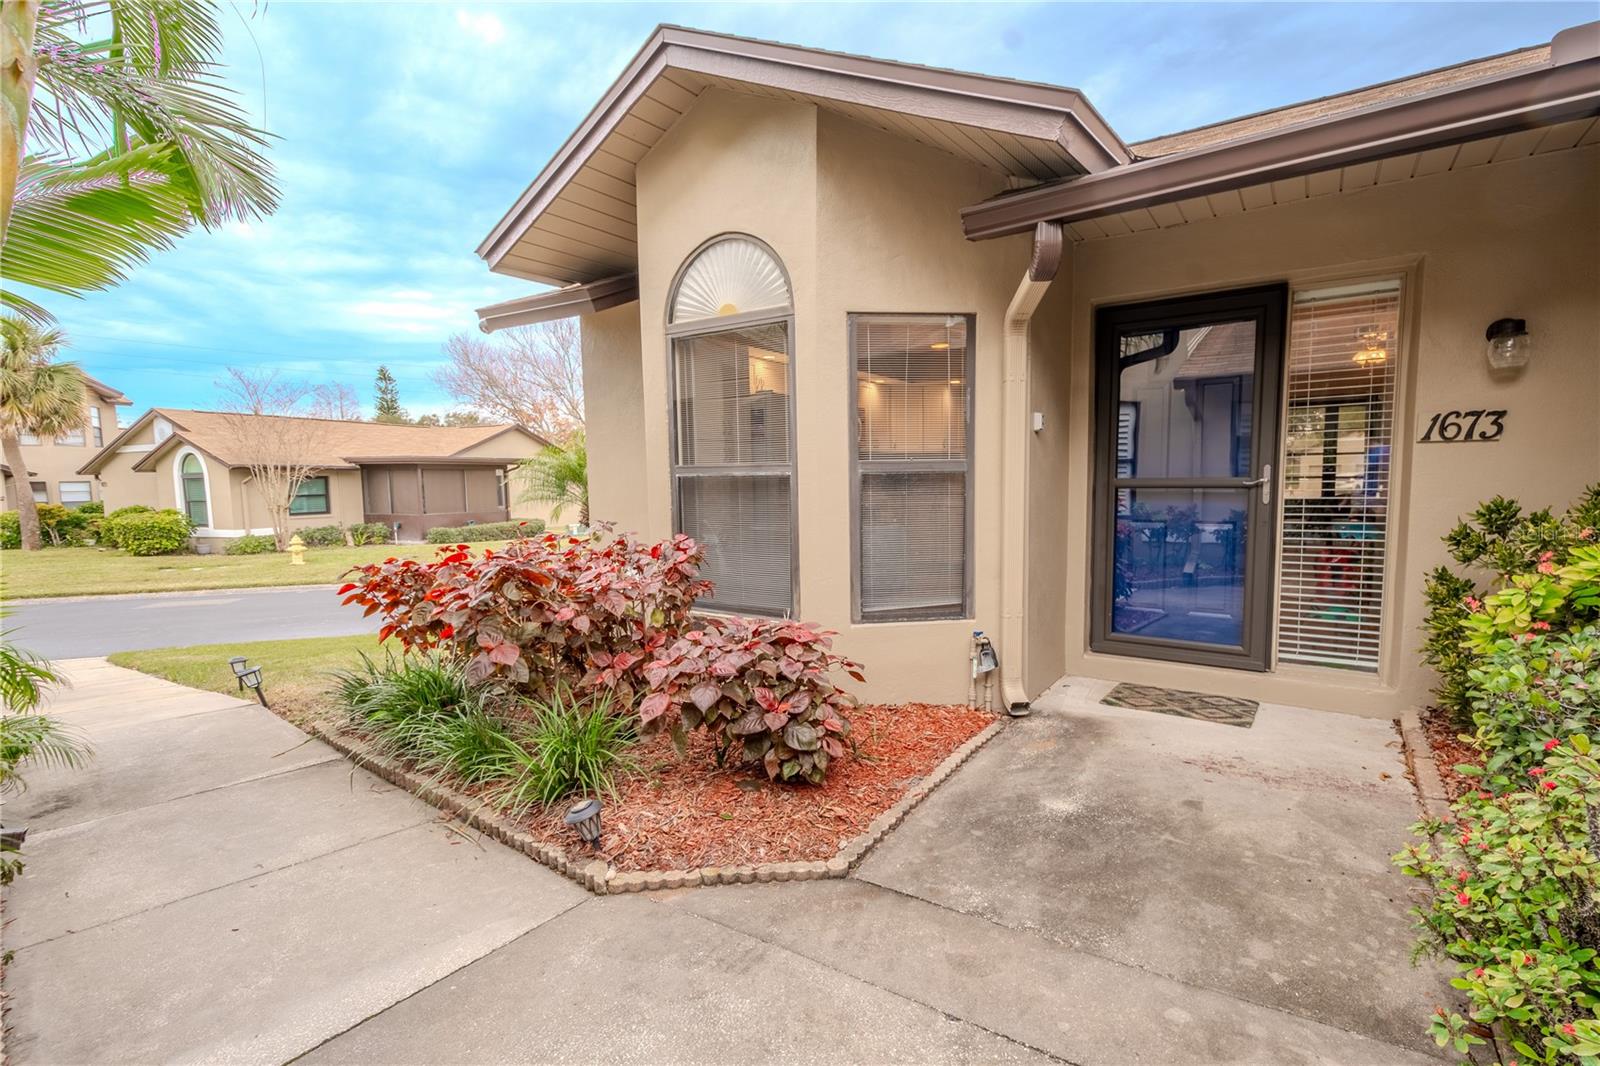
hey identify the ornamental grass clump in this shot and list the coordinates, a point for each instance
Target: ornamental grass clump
(1513, 882)
(568, 745)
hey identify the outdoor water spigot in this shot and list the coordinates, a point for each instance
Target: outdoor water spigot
(297, 551)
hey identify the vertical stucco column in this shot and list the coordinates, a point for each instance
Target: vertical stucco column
(1015, 428)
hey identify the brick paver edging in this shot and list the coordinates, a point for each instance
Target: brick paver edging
(597, 875)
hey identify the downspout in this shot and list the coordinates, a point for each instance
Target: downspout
(1047, 251)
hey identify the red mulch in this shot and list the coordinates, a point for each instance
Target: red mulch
(684, 813)
(1449, 750)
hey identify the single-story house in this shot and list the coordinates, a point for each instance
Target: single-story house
(53, 462)
(410, 478)
(917, 352)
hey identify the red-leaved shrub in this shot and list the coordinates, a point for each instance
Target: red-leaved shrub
(612, 613)
(763, 685)
(548, 609)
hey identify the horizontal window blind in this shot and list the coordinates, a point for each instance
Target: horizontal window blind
(743, 521)
(913, 462)
(734, 463)
(1338, 436)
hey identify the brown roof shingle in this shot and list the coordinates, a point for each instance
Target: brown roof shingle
(330, 442)
(1322, 107)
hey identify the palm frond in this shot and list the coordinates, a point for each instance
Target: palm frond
(37, 394)
(81, 226)
(25, 678)
(558, 476)
(37, 740)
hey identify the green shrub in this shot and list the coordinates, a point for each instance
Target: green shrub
(485, 531)
(251, 544)
(61, 527)
(10, 530)
(1522, 553)
(322, 536)
(1513, 882)
(92, 508)
(571, 745)
(132, 508)
(109, 524)
(370, 533)
(150, 533)
(1529, 692)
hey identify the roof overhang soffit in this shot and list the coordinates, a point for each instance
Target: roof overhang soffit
(1568, 89)
(928, 100)
(567, 302)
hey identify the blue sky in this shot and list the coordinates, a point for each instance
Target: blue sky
(406, 130)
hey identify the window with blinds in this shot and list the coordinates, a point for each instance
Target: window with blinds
(913, 465)
(1338, 435)
(733, 443)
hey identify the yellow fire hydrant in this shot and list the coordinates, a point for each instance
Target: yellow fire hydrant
(297, 551)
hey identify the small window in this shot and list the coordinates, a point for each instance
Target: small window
(500, 488)
(194, 489)
(913, 465)
(75, 493)
(94, 426)
(28, 439)
(163, 429)
(311, 497)
(72, 437)
(733, 449)
(41, 491)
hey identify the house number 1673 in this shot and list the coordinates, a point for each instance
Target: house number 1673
(1450, 427)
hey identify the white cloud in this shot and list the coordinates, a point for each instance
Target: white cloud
(483, 24)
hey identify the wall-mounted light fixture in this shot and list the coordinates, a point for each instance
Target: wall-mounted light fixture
(1508, 343)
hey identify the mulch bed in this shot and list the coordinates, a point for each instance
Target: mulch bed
(1449, 750)
(683, 813)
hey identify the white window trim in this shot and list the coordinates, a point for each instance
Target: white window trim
(177, 491)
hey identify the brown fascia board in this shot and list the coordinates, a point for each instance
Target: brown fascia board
(107, 393)
(356, 461)
(1046, 111)
(1561, 92)
(96, 461)
(567, 302)
(512, 427)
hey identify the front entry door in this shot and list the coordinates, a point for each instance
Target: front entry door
(1186, 436)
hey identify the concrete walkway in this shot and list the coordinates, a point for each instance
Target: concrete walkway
(1096, 886)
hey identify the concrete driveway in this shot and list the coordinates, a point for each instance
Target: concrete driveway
(99, 625)
(217, 888)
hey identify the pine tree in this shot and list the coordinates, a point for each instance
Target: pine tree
(386, 403)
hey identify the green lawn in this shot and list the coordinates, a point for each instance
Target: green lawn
(297, 674)
(101, 571)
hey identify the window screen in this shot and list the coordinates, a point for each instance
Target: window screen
(194, 490)
(94, 423)
(913, 465)
(75, 493)
(311, 497)
(733, 464)
(1339, 427)
(41, 491)
(72, 437)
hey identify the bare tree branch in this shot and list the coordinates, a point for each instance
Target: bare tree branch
(531, 375)
(335, 401)
(280, 453)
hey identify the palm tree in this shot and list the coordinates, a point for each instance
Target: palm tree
(133, 140)
(38, 396)
(559, 475)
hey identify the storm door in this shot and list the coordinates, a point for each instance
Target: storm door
(1187, 400)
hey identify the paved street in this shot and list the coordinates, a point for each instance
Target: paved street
(1095, 886)
(100, 625)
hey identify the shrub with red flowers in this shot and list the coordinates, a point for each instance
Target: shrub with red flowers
(762, 685)
(612, 614)
(541, 611)
(1514, 882)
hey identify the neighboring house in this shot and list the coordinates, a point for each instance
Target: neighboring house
(53, 475)
(915, 352)
(411, 478)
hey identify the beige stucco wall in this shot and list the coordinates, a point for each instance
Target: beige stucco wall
(1518, 239)
(613, 409)
(54, 463)
(853, 215)
(1049, 393)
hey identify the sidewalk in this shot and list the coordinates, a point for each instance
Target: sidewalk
(217, 888)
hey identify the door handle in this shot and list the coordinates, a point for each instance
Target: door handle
(1265, 481)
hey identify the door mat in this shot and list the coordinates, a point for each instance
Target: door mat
(1224, 710)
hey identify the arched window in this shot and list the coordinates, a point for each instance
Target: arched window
(729, 320)
(193, 478)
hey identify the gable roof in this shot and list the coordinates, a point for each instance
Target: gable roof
(577, 223)
(106, 392)
(331, 444)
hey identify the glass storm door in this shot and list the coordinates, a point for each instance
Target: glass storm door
(1185, 440)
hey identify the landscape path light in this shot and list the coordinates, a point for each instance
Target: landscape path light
(251, 679)
(239, 666)
(585, 818)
